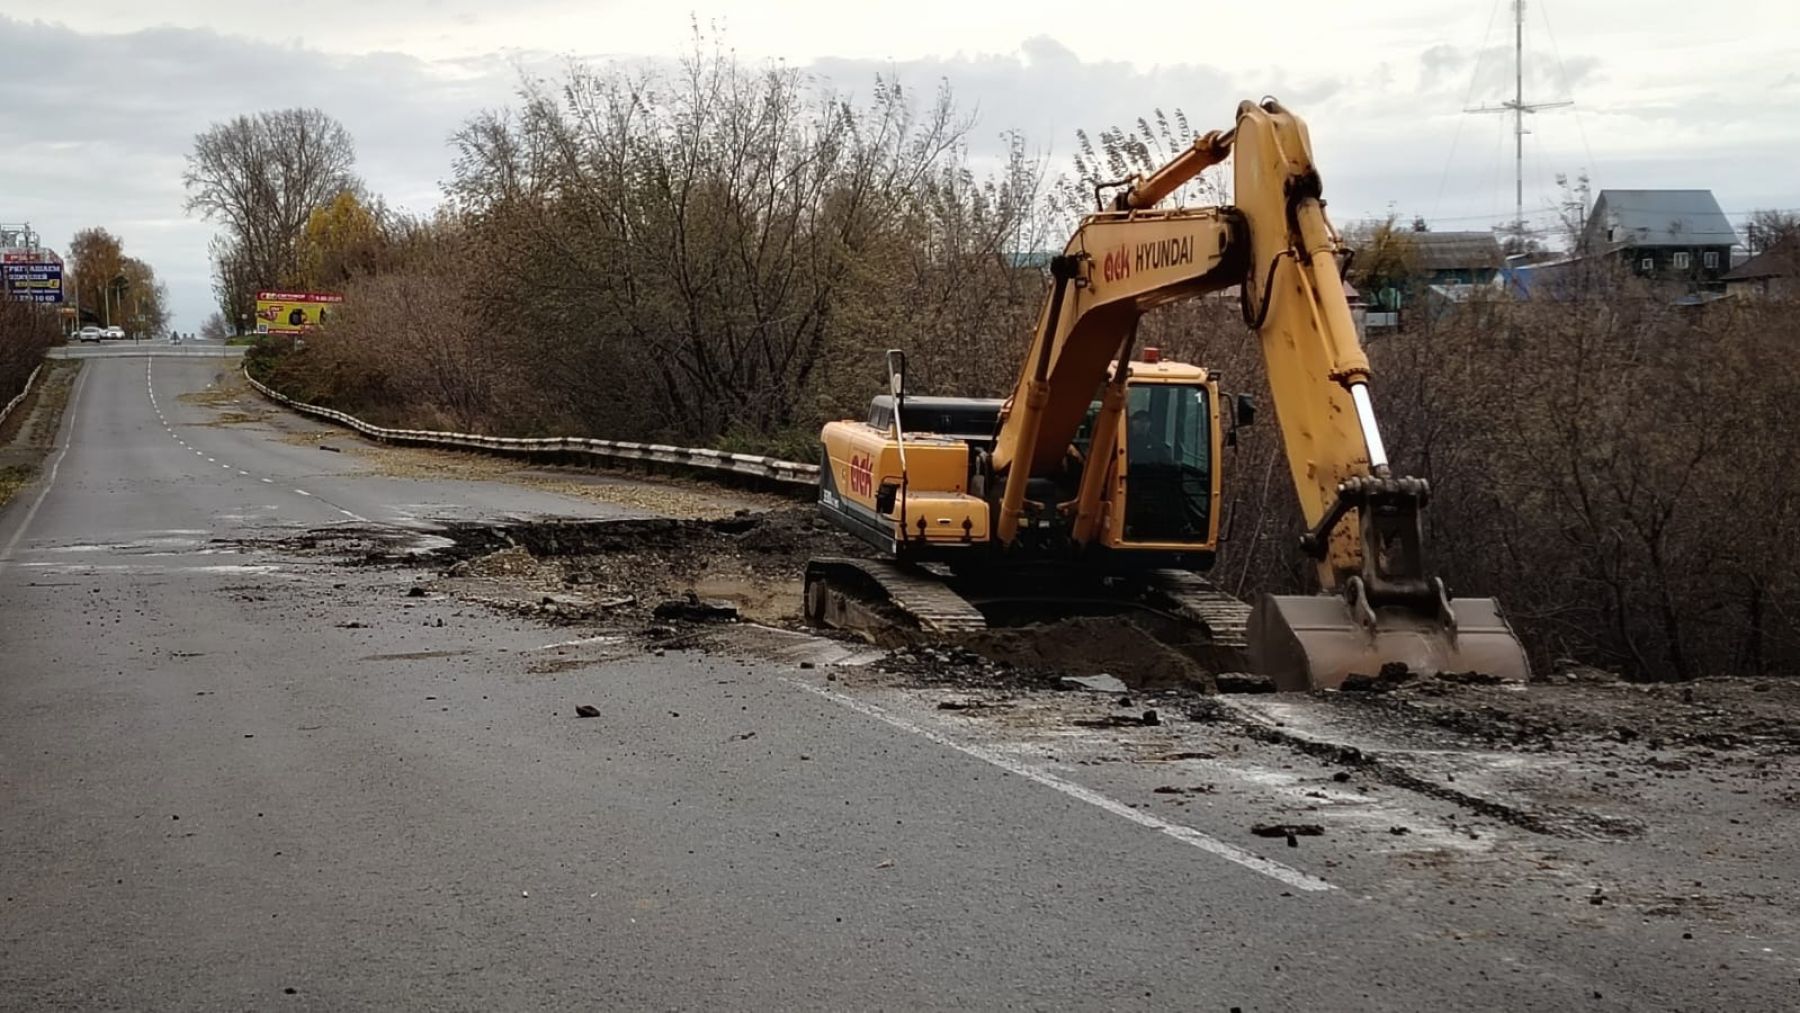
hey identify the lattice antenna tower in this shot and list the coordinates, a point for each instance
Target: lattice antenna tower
(1519, 107)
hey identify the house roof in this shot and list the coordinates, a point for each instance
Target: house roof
(1450, 251)
(1780, 261)
(1659, 218)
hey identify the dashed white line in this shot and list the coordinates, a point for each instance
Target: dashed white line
(303, 492)
(1185, 834)
(269, 480)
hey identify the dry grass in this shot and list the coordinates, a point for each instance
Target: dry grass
(32, 426)
(12, 479)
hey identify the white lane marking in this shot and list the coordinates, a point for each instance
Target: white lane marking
(348, 514)
(269, 480)
(303, 492)
(1185, 834)
(243, 473)
(19, 532)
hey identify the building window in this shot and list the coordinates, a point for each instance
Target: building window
(1647, 264)
(1710, 258)
(1681, 261)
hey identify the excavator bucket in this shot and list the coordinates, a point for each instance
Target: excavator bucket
(1306, 642)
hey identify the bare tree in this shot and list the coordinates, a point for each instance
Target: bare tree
(214, 328)
(1118, 153)
(262, 177)
(714, 237)
(1770, 228)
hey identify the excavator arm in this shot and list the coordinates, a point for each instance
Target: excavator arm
(1276, 243)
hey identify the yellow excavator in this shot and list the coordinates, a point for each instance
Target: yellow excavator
(1095, 487)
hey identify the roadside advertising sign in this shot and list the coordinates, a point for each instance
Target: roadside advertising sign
(29, 257)
(293, 312)
(38, 281)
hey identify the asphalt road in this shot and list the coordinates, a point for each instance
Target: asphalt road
(233, 777)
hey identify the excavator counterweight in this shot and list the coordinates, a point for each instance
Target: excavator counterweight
(1097, 484)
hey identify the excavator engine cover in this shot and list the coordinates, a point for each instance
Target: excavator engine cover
(1307, 642)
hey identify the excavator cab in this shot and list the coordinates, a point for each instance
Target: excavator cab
(1169, 475)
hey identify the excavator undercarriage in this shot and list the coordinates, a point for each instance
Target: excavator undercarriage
(893, 603)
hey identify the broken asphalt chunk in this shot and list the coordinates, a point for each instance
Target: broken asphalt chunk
(1147, 718)
(1243, 682)
(693, 609)
(1101, 683)
(1287, 830)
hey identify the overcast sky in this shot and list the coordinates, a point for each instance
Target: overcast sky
(104, 97)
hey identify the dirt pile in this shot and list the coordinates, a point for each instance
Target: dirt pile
(1040, 655)
(1119, 646)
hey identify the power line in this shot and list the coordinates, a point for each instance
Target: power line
(1474, 76)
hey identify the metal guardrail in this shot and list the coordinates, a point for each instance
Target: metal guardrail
(14, 403)
(767, 468)
(134, 351)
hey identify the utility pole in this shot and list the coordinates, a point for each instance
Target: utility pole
(1518, 107)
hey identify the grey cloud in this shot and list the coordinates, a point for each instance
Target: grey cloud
(98, 125)
(102, 125)
(1046, 93)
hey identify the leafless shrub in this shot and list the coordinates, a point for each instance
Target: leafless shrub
(26, 331)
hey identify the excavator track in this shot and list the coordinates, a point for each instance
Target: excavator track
(1225, 618)
(853, 594)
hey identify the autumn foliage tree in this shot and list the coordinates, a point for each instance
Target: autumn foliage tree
(96, 258)
(341, 240)
(114, 289)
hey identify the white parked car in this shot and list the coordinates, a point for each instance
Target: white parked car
(116, 331)
(89, 333)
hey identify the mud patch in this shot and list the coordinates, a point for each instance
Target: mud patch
(236, 418)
